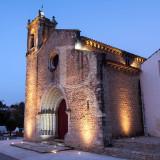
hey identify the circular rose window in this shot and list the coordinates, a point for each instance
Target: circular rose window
(54, 62)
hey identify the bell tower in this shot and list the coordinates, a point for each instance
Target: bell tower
(38, 31)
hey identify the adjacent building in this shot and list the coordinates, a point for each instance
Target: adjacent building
(150, 83)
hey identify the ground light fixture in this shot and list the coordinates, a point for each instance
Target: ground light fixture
(54, 151)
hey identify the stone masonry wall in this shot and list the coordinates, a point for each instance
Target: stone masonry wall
(30, 98)
(39, 77)
(76, 76)
(122, 97)
(85, 123)
(102, 101)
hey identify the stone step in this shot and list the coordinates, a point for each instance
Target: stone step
(55, 143)
(131, 154)
(41, 147)
(138, 145)
(59, 140)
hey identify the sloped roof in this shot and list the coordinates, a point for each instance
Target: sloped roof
(108, 47)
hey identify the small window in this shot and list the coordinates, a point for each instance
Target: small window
(127, 61)
(53, 62)
(32, 41)
(32, 38)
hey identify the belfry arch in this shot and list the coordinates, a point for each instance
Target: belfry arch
(51, 101)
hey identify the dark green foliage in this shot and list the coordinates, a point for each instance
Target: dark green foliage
(11, 125)
(20, 115)
(1, 104)
(4, 115)
(15, 112)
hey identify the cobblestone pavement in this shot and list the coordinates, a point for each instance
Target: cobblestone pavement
(141, 139)
(6, 157)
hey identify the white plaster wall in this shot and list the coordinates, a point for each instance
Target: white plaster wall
(150, 84)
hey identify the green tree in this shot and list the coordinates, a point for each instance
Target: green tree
(11, 125)
(1, 104)
(20, 115)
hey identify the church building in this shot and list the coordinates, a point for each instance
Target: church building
(79, 89)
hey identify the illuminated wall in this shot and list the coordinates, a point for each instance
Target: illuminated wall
(85, 131)
(30, 99)
(100, 90)
(120, 75)
(84, 120)
(123, 101)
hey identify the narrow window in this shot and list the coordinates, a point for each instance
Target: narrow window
(32, 38)
(32, 41)
(127, 61)
(55, 61)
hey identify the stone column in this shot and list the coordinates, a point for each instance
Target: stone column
(45, 123)
(50, 119)
(47, 117)
(55, 125)
(41, 123)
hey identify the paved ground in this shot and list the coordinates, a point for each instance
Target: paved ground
(6, 157)
(142, 139)
(41, 147)
(7, 136)
(23, 154)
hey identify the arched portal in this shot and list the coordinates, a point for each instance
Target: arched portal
(52, 114)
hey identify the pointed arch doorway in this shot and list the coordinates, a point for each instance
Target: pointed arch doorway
(62, 120)
(53, 118)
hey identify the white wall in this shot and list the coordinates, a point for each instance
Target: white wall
(3, 129)
(150, 84)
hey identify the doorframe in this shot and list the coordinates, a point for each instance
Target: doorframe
(44, 101)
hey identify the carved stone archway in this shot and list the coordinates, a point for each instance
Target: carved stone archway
(51, 100)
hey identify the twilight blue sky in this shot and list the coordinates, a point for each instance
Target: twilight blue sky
(131, 25)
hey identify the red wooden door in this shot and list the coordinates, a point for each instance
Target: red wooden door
(62, 120)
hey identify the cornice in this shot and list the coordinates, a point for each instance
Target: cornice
(37, 19)
(87, 42)
(121, 66)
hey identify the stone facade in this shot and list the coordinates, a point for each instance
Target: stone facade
(99, 83)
